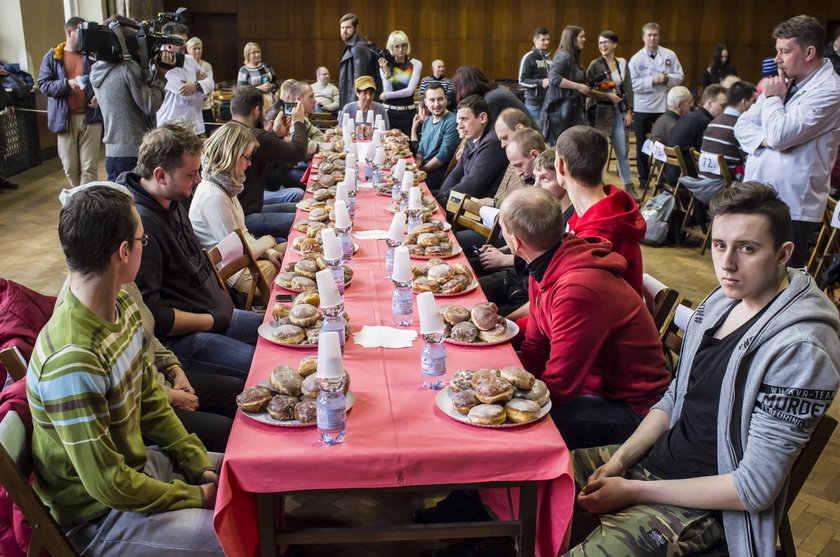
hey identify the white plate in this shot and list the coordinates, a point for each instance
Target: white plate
(264, 330)
(456, 249)
(390, 208)
(287, 289)
(265, 418)
(442, 399)
(512, 331)
(355, 249)
(470, 287)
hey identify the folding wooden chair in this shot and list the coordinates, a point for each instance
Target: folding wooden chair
(15, 459)
(828, 243)
(465, 210)
(227, 259)
(14, 362)
(323, 120)
(661, 301)
(673, 329)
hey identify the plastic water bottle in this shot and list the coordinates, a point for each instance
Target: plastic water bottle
(334, 321)
(415, 219)
(396, 235)
(433, 360)
(346, 243)
(402, 303)
(331, 405)
(395, 192)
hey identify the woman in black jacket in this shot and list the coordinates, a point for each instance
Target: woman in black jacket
(567, 90)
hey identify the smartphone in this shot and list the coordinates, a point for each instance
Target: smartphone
(288, 107)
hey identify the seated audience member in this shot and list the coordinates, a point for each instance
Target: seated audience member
(578, 299)
(509, 121)
(285, 92)
(688, 131)
(757, 371)
(281, 186)
(185, 86)
(482, 162)
(601, 211)
(365, 93)
(729, 80)
(438, 71)
(438, 137)
(194, 315)
(326, 94)
(215, 211)
(95, 402)
(303, 93)
(719, 137)
(246, 108)
(469, 80)
(254, 72)
(679, 102)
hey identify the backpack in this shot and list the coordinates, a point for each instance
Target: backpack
(657, 213)
(18, 82)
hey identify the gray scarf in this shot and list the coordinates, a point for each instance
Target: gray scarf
(227, 184)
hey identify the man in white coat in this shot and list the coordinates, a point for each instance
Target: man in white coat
(653, 70)
(791, 133)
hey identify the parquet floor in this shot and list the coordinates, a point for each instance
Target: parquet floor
(30, 254)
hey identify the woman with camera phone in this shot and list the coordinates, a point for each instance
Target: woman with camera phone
(613, 109)
(400, 76)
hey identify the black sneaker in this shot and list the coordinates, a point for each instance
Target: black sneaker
(477, 547)
(7, 185)
(458, 506)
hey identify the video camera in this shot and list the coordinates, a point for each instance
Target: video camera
(123, 40)
(380, 53)
(605, 83)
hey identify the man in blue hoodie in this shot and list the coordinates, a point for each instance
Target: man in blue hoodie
(708, 467)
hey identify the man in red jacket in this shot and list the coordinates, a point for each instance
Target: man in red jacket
(601, 211)
(588, 336)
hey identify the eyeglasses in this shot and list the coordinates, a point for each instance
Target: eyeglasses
(247, 157)
(400, 46)
(144, 240)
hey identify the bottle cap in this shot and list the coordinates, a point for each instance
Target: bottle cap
(332, 249)
(327, 290)
(379, 155)
(398, 171)
(342, 217)
(415, 199)
(330, 364)
(397, 231)
(402, 265)
(341, 193)
(430, 318)
(407, 181)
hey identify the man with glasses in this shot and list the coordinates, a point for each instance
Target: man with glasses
(327, 96)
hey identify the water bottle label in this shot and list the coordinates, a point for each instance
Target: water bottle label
(331, 419)
(403, 305)
(338, 277)
(433, 366)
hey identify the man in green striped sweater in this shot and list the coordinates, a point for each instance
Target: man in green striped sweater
(94, 399)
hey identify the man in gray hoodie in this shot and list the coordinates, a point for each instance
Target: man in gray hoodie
(708, 467)
(129, 100)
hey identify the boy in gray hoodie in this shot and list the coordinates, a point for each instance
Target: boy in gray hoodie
(708, 468)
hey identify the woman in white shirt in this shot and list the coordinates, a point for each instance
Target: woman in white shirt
(195, 48)
(215, 211)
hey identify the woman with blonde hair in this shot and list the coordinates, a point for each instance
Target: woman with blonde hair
(400, 76)
(195, 48)
(215, 211)
(255, 72)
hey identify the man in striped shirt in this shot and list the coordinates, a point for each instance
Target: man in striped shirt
(719, 137)
(94, 400)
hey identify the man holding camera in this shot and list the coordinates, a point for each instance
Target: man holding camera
(72, 111)
(129, 101)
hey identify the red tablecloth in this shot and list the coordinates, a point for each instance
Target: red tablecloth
(396, 435)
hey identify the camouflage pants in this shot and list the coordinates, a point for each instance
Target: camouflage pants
(652, 529)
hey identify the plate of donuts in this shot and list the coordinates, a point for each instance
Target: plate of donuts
(494, 398)
(287, 397)
(481, 325)
(297, 325)
(442, 279)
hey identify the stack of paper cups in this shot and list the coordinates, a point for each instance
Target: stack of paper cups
(370, 116)
(342, 217)
(402, 265)
(397, 231)
(407, 181)
(398, 171)
(360, 117)
(430, 318)
(350, 167)
(329, 356)
(415, 199)
(341, 193)
(377, 137)
(332, 249)
(376, 120)
(379, 155)
(327, 290)
(347, 122)
(381, 126)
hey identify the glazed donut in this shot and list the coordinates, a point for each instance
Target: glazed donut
(308, 245)
(418, 272)
(303, 315)
(538, 393)
(280, 310)
(314, 229)
(309, 388)
(414, 249)
(455, 314)
(518, 377)
(493, 390)
(308, 366)
(459, 283)
(427, 240)
(253, 399)
(487, 414)
(426, 228)
(464, 332)
(282, 407)
(286, 380)
(485, 315)
(435, 261)
(285, 279)
(303, 283)
(302, 225)
(313, 334)
(437, 250)
(483, 375)
(520, 410)
(288, 334)
(464, 401)
(495, 334)
(441, 273)
(323, 194)
(318, 214)
(311, 297)
(306, 268)
(305, 411)
(463, 270)
(424, 284)
(461, 380)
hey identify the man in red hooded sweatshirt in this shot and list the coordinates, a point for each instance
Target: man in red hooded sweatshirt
(588, 336)
(601, 211)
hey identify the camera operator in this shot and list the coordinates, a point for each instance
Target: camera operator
(614, 113)
(129, 101)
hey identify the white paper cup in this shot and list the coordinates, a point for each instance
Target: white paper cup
(402, 265)
(430, 318)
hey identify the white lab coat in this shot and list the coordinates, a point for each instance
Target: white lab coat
(802, 136)
(648, 97)
(187, 107)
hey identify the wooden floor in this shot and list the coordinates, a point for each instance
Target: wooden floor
(30, 254)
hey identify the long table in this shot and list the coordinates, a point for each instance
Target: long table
(397, 438)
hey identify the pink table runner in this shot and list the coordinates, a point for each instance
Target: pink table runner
(396, 435)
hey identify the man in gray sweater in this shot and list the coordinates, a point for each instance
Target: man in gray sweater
(129, 101)
(757, 372)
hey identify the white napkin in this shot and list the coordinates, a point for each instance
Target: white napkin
(364, 185)
(372, 336)
(371, 234)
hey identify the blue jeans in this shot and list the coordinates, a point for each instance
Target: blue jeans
(183, 532)
(223, 354)
(283, 195)
(275, 220)
(592, 421)
(114, 166)
(621, 146)
(534, 110)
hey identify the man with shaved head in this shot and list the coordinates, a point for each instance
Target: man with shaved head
(438, 71)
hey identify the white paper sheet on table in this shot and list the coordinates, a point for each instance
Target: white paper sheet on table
(373, 336)
(371, 234)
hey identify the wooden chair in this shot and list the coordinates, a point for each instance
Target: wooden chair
(323, 120)
(14, 362)
(705, 230)
(799, 473)
(656, 174)
(661, 301)
(467, 207)
(15, 457)
(828, 243)
(673, 330)
(241, 259)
